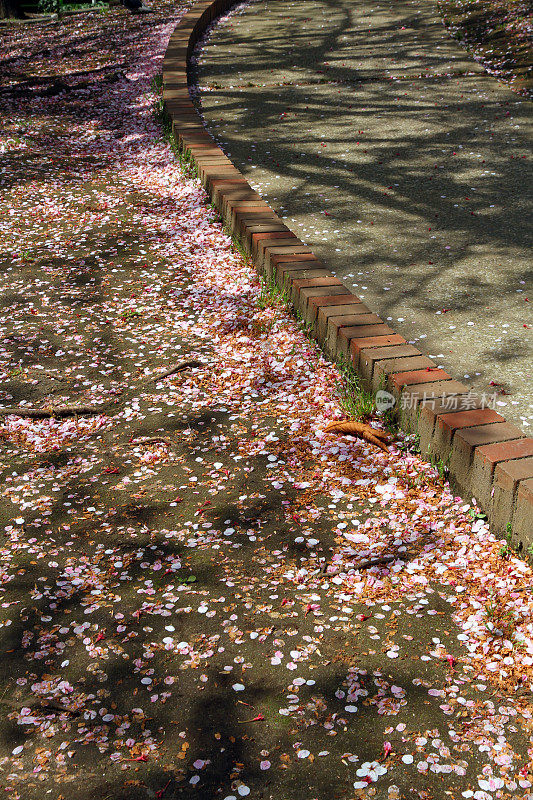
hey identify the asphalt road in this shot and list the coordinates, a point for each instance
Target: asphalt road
(399, 161)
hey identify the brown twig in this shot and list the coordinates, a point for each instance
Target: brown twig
(39, 705)
(178, 368)
(366, 564)
(151, 440)
(59, 412)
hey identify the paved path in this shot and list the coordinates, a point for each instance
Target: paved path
(399, 162)
(167, 628)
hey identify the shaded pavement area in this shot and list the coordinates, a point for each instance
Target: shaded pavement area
(403, 165)
(203, 595)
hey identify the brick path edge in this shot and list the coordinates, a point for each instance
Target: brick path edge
(487, 457)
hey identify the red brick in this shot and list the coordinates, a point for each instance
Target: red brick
(306, 296)
(248, 225)
(233, 182)
(491, 454)
(276, 255)
(370, 358)
(417, 376)
(437, 425)
(432, 395)
(372, 328)
(477, 482)
(207, 149)
(225, 197)
(238, 208)
(273, 242)
(393, 367)
(487, 456)
(272, 226)
(522, 525)
(291, 275)
(509, 473)
(326, 280)
(178, 104)
(468, 419)
(356, 320)
(339, 321)
(293, 258)
(237, 220)
(211, 161)
(488, 434)
(316, 303)
(292, 267)
(282, 232)
(175, 92)
(356, 345)
(525, 490)
(248, 219)
(352, 307)
(188, 133)
(184, 115)
(434, 392)
(389, 351)
(212, 177)
(507, 476)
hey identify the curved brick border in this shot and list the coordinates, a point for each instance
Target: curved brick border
(487, 457)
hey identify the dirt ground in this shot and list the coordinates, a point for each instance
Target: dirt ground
(204, 595)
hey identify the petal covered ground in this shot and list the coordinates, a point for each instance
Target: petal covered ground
(204, 594)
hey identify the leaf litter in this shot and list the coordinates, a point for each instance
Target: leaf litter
(201, 588)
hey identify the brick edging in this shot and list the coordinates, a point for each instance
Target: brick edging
(487, 457)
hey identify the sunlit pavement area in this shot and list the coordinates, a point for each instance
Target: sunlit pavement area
(402, 164)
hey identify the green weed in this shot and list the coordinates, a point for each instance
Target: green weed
(441, 467)
(270, 295)
(157, 82)
(507, 549)
(238, 247)
(305, 326)
(410, 443)
(15, 373)
(356, 402)
(161, 116)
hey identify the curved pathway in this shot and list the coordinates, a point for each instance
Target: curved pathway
(399, 161)
(203, 597)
